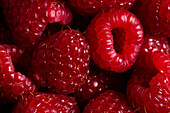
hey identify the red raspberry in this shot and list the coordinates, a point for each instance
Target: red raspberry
(62, 61)
(151, 94)
(110, 102)
(154, 16)
(91, 7)
(12, 84)
(150, 44)
(115, 38)
(40, 102)
(28, 19)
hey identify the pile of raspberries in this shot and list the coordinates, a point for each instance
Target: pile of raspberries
(85, 56)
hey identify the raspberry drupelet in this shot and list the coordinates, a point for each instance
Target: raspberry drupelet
(62, 62)
(115, 38)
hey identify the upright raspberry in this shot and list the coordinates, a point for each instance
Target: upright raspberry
(109, 102)
(91, 7)
(12, 84)
(28, 19)
(155, 16)
(40, 102)
(115, 38)
(148, 93)
(61, 62)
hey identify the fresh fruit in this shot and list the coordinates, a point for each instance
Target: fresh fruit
(115, 38)
(110, 102)
(12, 84)
(91, 7)
(40, 102)
(154, 16)
(28, 19)
(151, 93)
(151, 44)
(62, 62)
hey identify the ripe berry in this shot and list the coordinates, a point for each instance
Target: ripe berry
(40, 102)
(28, 19)
(12, 84)
(148, 93)
(91, 7)
(115, 38)
(61, 62)
(110, 102)
(154, 16)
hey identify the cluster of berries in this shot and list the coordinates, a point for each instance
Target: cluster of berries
(85, 56)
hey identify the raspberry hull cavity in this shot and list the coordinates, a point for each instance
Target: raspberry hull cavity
(115, 38)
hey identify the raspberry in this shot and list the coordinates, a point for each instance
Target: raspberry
(12, 84)
(61, 62)
(151, 94)
(32, 18)
(110, 102)
(151, 44)
(40, 102)
(154, 16)
(115, 38)
(91, 7)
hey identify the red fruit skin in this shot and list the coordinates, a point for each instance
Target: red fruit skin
(103, 43)
(91, 7)
(40, 102)
(97, 83)
(150, 44)
(110, 102)
(21, 57)
(6, 65)
(32, 18)
(61, 62)
(12, 84)
(14, 51)
(154, 16)
(151, 94)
